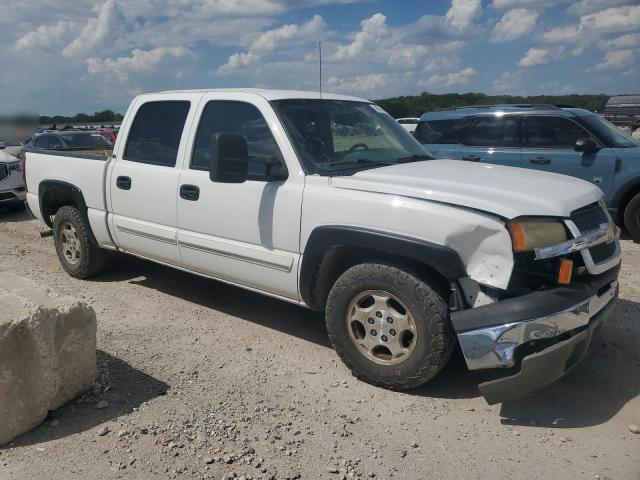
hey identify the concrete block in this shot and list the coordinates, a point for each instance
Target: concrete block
(47, 353)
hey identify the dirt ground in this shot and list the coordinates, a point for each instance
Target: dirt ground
(198, 379)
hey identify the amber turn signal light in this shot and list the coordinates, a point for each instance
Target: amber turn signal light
(518, 237)
(565, 271)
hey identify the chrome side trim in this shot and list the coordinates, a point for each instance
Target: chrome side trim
(234, 256)
(494, 347)
(604, 233)
(146, 235)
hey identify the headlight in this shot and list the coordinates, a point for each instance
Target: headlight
(529, 234)
(15, 167)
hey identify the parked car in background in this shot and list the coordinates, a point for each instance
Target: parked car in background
(408, 123)
(71, 140)
(2, 145)
(570, 141)
(12, 188)
(406, 256)
(108, 134)
(624, 110)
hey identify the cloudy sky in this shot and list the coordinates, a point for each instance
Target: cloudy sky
(69, 56)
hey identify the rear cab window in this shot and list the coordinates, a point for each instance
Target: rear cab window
(155, 133)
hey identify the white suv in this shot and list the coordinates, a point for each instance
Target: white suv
(12, 189)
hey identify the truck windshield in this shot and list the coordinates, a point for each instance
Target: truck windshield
(337, 137)
(612, 135)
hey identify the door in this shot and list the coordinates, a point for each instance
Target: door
(492, 139)
(245, 233)
(143, 181)
(549, 145)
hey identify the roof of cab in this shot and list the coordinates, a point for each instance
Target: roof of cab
(455, 113)
(271, 94)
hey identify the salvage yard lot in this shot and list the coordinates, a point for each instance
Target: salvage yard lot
(198, 379)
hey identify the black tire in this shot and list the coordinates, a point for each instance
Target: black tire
(632, 218)
(434, 338)
(92, 259)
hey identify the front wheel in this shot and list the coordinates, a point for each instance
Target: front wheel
(632, 218)
(391, 328)
(76, 247)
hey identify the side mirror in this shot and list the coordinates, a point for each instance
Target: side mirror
(229, 158)
(585, 145)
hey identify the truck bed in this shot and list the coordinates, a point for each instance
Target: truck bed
(85, 170)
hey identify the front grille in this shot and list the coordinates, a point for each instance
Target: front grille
(602, 252)
(589, 218)
(4, 171)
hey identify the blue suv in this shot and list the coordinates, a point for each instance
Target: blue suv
(571, 141)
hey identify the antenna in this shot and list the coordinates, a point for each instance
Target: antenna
(320, 71)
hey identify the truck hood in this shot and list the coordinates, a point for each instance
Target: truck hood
(505, 191)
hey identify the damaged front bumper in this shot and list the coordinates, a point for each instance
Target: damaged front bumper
(537, 337)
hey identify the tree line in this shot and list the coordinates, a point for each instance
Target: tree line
(414, 106)
(404, 106)
(104, 116)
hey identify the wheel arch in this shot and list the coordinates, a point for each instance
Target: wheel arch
(331, 250)
(623, 196)
(53, 194)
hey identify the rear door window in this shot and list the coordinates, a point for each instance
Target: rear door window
(494, 131)
(442, 131)
(156, 131)
(552, 132)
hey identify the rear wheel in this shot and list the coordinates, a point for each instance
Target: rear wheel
(632, 218)
(388, 326)
(77, 249)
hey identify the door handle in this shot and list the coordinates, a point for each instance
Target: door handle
(190, 192)
(123, 183)
(540, 161)
(471, 158)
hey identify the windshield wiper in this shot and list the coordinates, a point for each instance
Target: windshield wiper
(416, 157)
(360, 161)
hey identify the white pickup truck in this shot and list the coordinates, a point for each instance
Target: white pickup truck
(406, 255)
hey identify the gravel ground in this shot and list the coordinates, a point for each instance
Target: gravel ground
(198, 379)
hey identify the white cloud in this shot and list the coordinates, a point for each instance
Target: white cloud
(584, 7)
(630, 40)
(507, 83)
(270, 40)
(594, 25)
(514, 24)
(463, 77)
(139, 61)
(108, 24)
(360, 84)
(374, 29)
(618, 59)
(541, 56)
(506, 4)
(462, 13)
(45, 36)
